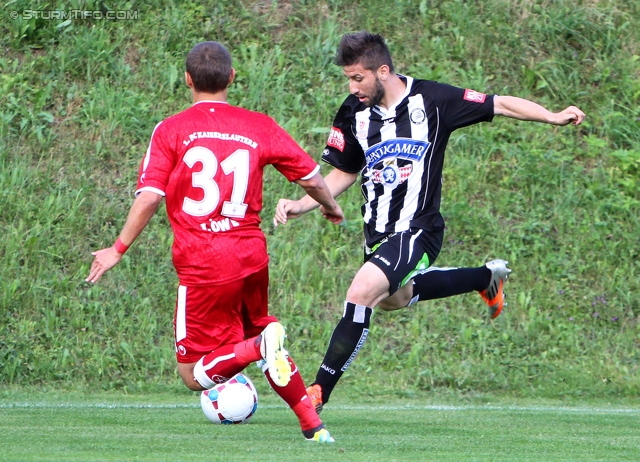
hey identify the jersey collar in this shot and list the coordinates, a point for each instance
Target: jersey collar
(392, 109)
(210, 101)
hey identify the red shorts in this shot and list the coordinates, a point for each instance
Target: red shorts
(208, 317)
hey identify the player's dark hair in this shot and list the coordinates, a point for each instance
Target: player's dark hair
(369, 50)
(209, 65)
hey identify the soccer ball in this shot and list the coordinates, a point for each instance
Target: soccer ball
(232, 402)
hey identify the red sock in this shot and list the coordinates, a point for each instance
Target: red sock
(295, 395)
(228, 360)
(248, 351)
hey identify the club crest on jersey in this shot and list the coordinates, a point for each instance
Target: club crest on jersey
(474, 96)
(401, 148)
(391, 175)
(336, 139)
(418, 116)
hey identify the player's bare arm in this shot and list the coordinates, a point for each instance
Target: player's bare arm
(141, 212)
(317, 189)
(337, 182)
(522, 109)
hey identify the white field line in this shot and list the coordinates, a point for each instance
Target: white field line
(487, 407)
(549, 409)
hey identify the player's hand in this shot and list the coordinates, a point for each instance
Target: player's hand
(286, 209)
(104, 260)
(571, 115)
(334, 215)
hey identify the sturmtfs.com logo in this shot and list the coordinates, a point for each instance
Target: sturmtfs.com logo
(67, 15)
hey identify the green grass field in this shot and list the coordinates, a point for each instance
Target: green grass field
(164, 427)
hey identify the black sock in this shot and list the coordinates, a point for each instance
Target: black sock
(445, 282)
(346, 340)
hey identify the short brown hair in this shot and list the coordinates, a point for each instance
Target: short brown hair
(209, 65)
(369, 50)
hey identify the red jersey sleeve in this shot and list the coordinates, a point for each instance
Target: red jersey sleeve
(287, 156)
(157, 164)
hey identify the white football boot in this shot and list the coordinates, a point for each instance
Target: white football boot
(274, 354)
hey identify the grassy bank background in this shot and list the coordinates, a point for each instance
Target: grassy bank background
(78, 102)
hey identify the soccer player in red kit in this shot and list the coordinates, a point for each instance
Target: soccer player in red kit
(208, 161)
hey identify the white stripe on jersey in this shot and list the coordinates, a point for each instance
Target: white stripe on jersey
(435, 141)
(147, 155)
(414, 182)
(310, 175)
(150, 189)
(362, 129)
(145, 163)
(387, 132)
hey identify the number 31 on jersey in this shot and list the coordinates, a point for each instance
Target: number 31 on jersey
(237, 163)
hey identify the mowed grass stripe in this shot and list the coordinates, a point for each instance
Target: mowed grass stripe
(179, 431)
(364, 408)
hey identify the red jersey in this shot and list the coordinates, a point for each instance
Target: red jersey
(208, 161)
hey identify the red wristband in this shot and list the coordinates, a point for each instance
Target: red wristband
(120, 247)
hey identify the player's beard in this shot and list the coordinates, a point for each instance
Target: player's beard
(378, 93)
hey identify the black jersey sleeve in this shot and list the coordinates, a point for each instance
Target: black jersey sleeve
(343, 150)
(460, 107)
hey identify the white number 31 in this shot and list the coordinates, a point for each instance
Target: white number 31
(237, 163)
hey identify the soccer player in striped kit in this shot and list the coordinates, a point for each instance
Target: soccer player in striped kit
(208, 162)
(392, 130)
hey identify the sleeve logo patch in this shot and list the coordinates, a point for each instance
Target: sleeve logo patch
(474, 96)
(336, 139)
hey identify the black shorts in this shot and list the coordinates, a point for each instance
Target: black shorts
(402, 256)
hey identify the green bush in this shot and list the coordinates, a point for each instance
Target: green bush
(79, 99)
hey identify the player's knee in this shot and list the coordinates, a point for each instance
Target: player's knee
(357, 294)
(366, 293)
(187, 376)
(192, 384)
(369, 286)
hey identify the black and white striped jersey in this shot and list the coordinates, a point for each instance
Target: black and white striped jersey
(399, 152)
